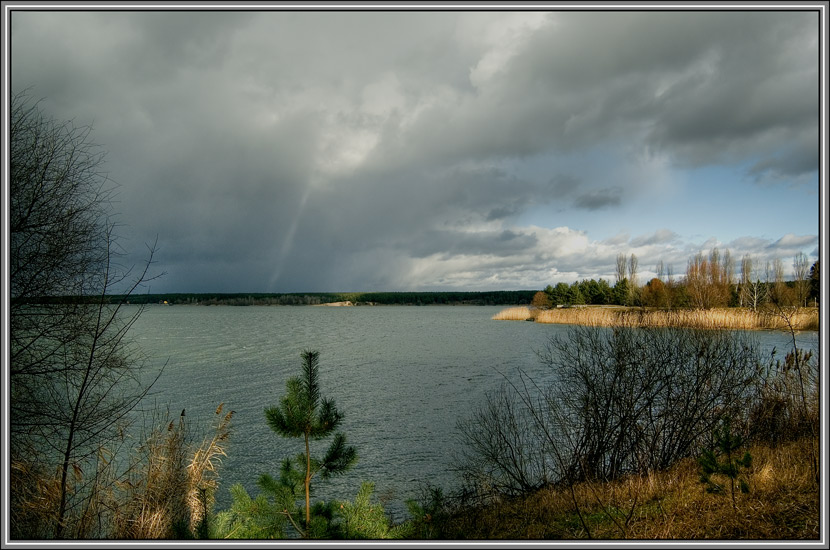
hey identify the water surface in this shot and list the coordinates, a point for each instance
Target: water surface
(402, 376)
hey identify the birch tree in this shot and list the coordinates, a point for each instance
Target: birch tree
(752, 291)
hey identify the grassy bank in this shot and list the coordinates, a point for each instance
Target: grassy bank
(723, 318)
(783, 504)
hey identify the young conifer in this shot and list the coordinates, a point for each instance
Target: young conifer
(303, 413)
(723, 460)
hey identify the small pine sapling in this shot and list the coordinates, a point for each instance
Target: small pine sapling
(303, 413)
(722, 460)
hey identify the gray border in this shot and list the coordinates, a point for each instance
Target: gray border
(819, 5)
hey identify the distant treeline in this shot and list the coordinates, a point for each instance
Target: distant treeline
(488, 298)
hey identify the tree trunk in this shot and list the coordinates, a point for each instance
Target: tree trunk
(307, 485)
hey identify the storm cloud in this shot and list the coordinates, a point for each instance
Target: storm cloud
(281, 151)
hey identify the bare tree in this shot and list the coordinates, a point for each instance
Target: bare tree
(74, 379)
(721, 275)
(633, 264)
(697, 282)
(505, 451)
(778, 292)
(786, 303)
(801, 276)
(633, 285)
(621, 267)
(624, 401)
(708, 280)
(746, 278)
(671, 286)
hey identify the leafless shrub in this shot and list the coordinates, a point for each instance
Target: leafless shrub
(73, 379)
(622, 401)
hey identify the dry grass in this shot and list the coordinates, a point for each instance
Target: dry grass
(723, 318)
(166, 493)
(34, 495)
(783, 504)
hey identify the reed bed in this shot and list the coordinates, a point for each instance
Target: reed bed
(723, 318)
(515, 314)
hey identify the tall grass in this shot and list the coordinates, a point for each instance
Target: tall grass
(783, 504)
(722, 318)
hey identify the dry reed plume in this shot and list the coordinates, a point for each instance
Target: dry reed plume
(171, 495)
(722, 318)
(202, 471)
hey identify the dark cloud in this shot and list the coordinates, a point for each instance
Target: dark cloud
(314, 150)
(602, 198)
(747, 94)
(793, 159)
(661, 236)
(704, 87)
(503, 243)
(794, 242)
(564, 184)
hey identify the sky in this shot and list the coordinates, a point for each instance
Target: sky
(423, 150)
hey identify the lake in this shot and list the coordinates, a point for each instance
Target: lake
(401, 375)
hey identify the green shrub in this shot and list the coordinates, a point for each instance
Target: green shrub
(248, 518)
(364, 519)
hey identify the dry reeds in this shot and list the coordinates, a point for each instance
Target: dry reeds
(722, 318)
(172, 491)
(603, 317)
(202, 471)
(515, 314)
